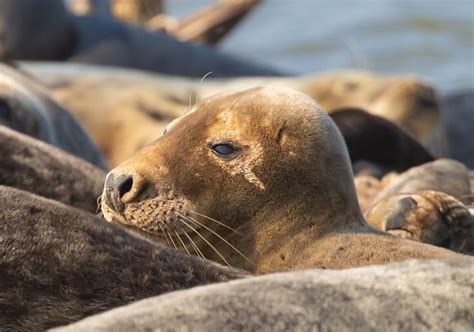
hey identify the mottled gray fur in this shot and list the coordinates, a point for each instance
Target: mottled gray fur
(409, 296)
(59, 264)
(37, 167)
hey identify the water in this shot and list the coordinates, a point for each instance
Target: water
(433, 39)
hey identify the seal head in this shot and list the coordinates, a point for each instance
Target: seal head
(264, 153)
(258, 178)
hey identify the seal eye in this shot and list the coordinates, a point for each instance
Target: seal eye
(224, 150)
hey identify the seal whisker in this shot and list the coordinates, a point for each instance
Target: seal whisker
(205, 76)
(208, 243)
(171, 238)
(202, 80)
(182, 243)
(163, 231)
(194, 245)
(217, 221)
(192, 220)
(190, 98)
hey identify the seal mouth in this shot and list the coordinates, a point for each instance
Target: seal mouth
(184, 229)
(156, 217)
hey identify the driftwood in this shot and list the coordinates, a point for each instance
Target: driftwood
(208, 25)
(132, 11)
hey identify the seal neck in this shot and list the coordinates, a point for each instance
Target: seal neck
(286, 233)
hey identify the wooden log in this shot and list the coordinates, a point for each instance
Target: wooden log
(208, 25)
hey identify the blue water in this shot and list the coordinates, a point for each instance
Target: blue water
(433, 39)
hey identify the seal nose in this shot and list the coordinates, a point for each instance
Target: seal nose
(116, 188)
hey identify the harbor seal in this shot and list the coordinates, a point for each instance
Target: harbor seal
(372, 138)
(45, 30)
(259, 179)
(425, 293)
(59, 264)
(31, 29)
(444, 175)
(40, 168)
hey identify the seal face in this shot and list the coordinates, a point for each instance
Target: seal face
(259, 178)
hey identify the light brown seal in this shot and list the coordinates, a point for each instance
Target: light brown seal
(406, 100)
(138, 105)
(260, 179)
(427, 216)
(444, 175)
(367, 187)
(59, 264)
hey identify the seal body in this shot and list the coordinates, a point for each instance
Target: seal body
(444, 175)
(59, 264)
(26, 106)
(44, 30)
(424, 293)
(40, 168)
(372, 138)
(260, 179)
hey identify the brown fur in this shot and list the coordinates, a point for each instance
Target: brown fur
(428, 216)
(444, 175)
(406, 101)
(34, 166)
(288, 193)
(367, 187)
(59, 264)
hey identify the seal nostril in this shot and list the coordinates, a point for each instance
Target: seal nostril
(124, 185)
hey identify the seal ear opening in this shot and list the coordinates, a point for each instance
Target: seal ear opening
(281, 136)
